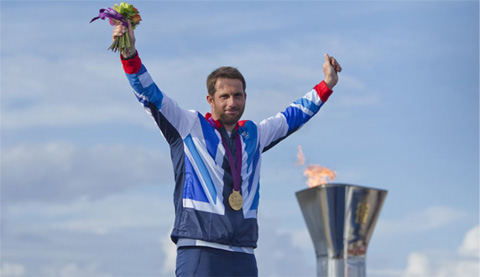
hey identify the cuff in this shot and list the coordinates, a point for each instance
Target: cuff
(132, 65)
(323, 91)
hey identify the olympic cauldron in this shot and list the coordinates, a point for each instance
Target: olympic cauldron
(340, 219)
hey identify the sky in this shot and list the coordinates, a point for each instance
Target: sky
(86, 178)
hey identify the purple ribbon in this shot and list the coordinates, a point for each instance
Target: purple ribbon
(111, 14)
(235, 167)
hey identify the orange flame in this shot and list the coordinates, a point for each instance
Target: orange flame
(300, 156)
(317, 175)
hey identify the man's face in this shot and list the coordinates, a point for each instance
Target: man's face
(228, 102)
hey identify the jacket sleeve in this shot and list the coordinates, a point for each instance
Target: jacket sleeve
(276, 128)
(172, 120)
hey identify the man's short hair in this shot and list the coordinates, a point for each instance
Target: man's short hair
(223, 72)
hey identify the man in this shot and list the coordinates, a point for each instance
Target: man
(216, 161)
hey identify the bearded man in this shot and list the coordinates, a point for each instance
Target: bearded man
(216, 159)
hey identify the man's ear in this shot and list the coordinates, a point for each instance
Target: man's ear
(210, 100)
(245, 95)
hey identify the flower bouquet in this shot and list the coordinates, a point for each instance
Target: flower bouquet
(120, 13)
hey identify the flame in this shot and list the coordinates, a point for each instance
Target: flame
(300, 156)
(318, 175)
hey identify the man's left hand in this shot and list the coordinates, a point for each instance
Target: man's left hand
(331, 67)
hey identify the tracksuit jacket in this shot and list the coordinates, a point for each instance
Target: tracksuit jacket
(203, 179)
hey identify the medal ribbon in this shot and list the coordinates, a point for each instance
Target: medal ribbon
(235, 166)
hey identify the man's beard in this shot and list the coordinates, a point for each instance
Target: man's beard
(227, 119)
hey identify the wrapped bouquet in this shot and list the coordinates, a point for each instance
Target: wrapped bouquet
(120, 13)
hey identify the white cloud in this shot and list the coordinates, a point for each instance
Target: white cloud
(81, 87)
(170, 251)
(301, 238)
(12, 270)
(59, 171)
(117, 234)
(73, 270)
(428, 219)
(194, 22)
(384, 272)
(445, 264)
(470, 244)
(70, 114)
(276, 246)
(130, 209)
(418, 265)
(91, 93)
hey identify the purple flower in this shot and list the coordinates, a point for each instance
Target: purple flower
(111, 14)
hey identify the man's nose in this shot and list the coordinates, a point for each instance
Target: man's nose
(231, 102)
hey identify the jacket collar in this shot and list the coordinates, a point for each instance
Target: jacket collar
(217, 124)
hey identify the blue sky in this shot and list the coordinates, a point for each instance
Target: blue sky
(86, 180)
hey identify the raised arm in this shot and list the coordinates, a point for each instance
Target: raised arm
(174, 122)
(276, 128)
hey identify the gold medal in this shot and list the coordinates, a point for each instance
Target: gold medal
(235, 200)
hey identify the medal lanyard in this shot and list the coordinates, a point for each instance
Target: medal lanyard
(235, 166)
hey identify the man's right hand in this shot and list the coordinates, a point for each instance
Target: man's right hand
(119, 30)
